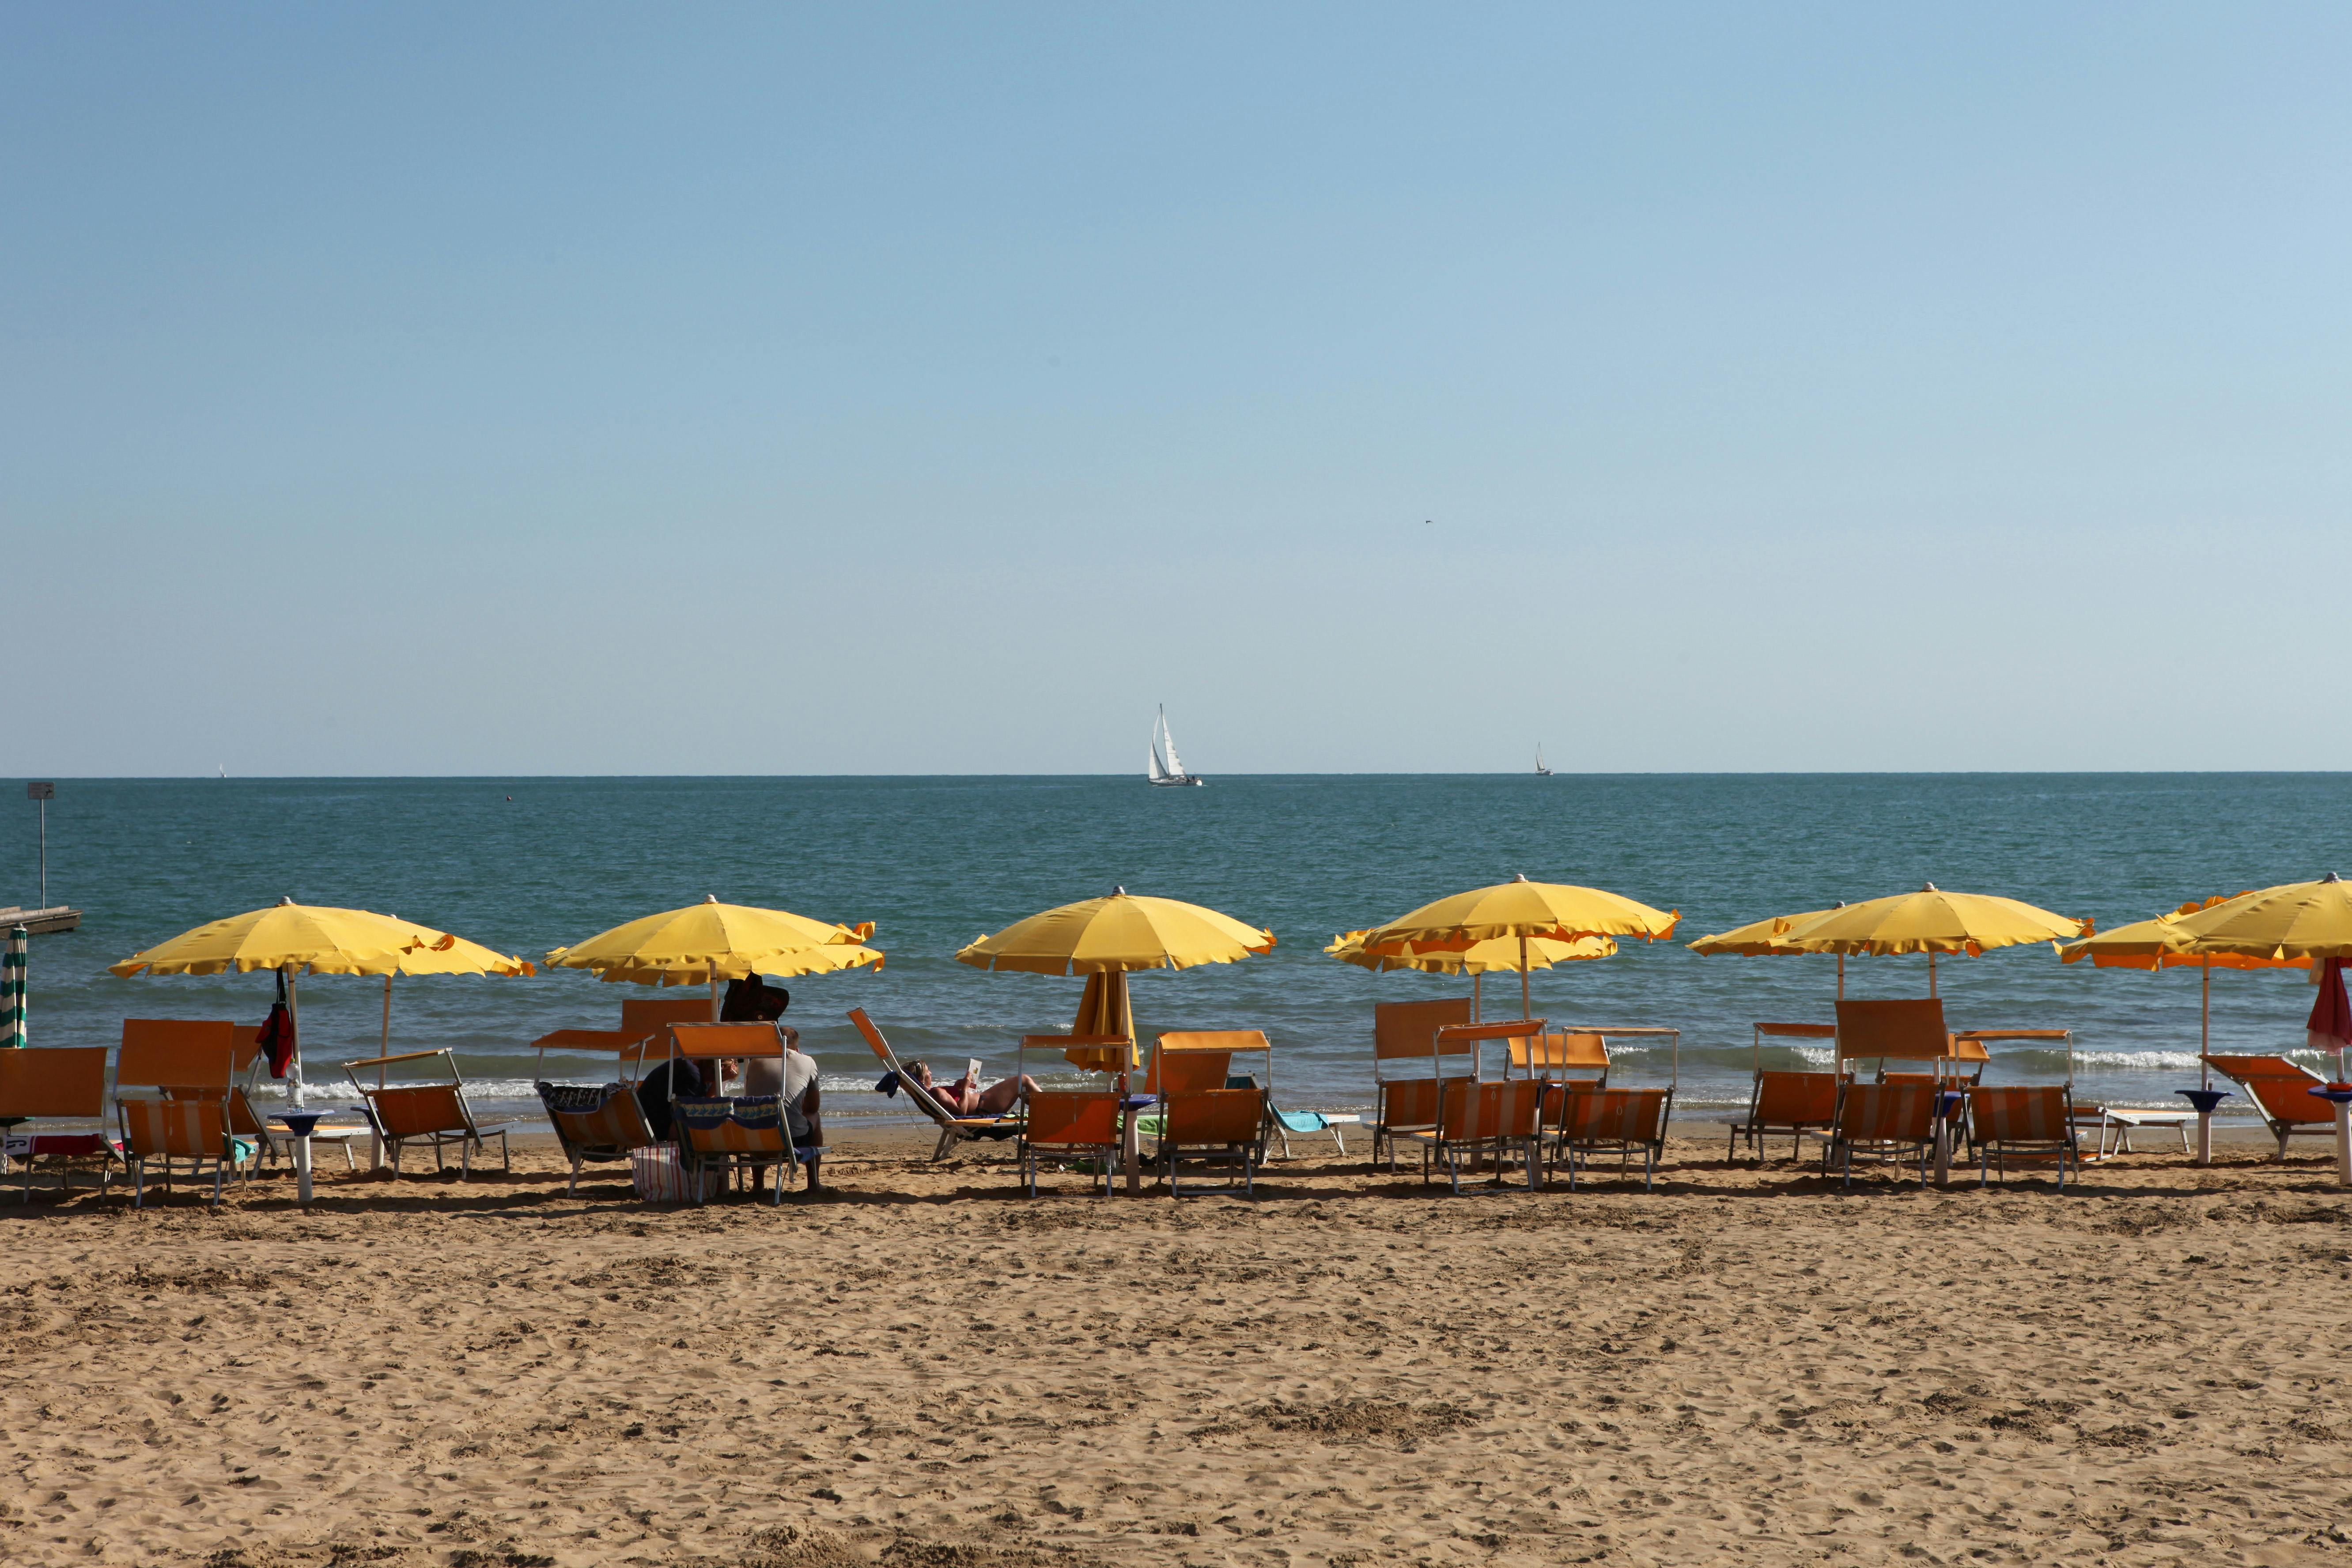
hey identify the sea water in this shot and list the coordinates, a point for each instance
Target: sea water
(527, 864)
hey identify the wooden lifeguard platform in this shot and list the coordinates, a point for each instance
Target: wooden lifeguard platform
(39, 921)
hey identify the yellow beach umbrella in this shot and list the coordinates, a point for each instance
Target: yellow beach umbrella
(2298, 920)
(709, 941)
(1757, 938)
(1477, 961)
(2164, 942)
(1122, 932)
(313, 938)
(1518, 910)
(1931, 921)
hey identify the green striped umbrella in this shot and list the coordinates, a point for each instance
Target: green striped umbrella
(12, 988)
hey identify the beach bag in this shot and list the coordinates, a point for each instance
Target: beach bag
(658, 1178)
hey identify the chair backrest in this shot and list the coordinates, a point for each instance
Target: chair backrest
(715, 1124)
(1077, 1120)
(2012, 1114)
(1409, 1102)
(2287, 1098)
(1214, 1116)
(601, 1118)
(1186, 1072)
(1901, 1112)
(1928, 1079)
(1785, 1098)
(2243, 1067)
(411, 1110)
(181, 1052)
(175, 1129)
(1560, 1052)
(1907, 1030)
(1405, 1031)
(52, 1081)
(651, 1015)
(1615, 1115)
(707, 1042)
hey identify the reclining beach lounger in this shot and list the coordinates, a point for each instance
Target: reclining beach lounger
(2281, 1091)
(747, 1132)
(43, 1082)
(1797, 1105)
(2019, 1123)
(953, 1129)
(1213, 1126)
(1886, 1121)
(1408, 1063)
(1084, 1122)
(188, 1070)
(595, 1121)
(1493, 1118)
(1623, 1122)
(433, 1113)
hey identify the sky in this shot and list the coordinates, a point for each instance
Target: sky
(615, 389)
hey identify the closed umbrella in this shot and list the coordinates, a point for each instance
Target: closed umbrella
(12, 988)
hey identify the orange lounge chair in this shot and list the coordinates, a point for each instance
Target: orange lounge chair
(1477, 1118)
(433, 1113)
(191, 1068)
(1216, 1125)
(1910, 1030)
(2017, 1123)
(953, 1129)
(1086, 1123)
(745, 1133)
(42, 1081)
(2281, 1091)
(1797, 1104)
(1618, 1120)
(595, 1121)
(1408, 1064)
(1884, 1120)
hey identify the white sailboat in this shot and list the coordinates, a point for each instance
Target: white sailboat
(1541, 771)
(1166, 768)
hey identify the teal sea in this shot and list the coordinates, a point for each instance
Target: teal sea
(527, 864)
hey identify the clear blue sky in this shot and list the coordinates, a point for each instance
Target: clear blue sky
(683, 389)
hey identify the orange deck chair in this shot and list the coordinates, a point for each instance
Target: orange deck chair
(1623, 1121)
(1476, 1118)
(1084, 1122)
(433, 1113)
(64, 1081)
(2281, 1091)
(1408, 1065)
(190, 1068)
(1200, 1118)
(1886, 1120)
(595, 1121)
(953, 1129)
(744, 1133)
(1790, 1100)
(2018, 1124)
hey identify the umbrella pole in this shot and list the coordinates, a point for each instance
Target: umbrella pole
(1931, 972)
(2205, 1024)
(1841, 977)
(1477, 984)
(384, 1048)
(294, 1016)
(714, 993)
(1526, 1008)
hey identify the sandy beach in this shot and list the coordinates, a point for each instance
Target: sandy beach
(928, 1370)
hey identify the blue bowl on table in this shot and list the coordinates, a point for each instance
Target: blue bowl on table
(2204, 1100)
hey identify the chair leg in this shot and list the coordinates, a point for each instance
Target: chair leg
(138, 1182)
(572, 1189)
(219, 1174)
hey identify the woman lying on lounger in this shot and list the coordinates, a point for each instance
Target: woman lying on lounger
(964, 1097)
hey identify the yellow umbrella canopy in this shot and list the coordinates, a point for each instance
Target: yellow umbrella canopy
(2163, 943)
(1124, 932)
(1521, 911)
(1758, 938)
(1499, 953)
(2298, 920)
(1520, 907)
(312, 939)
(1930, 920)
(709, 941)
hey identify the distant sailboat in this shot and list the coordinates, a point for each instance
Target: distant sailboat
(1165, 767)
(1541, 772)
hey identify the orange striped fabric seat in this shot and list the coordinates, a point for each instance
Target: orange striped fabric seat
(1476, 1118)
(2022, 1123)
(600, 1123)
(187, 1128)
(1615, 1120)
(1786, 1101)
(1084, 1121)
(1886, 1120)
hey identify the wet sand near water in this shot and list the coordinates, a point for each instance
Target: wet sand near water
(927, 1369)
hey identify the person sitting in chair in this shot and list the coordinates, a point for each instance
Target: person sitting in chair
(964, 1097)
(792, 1078)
